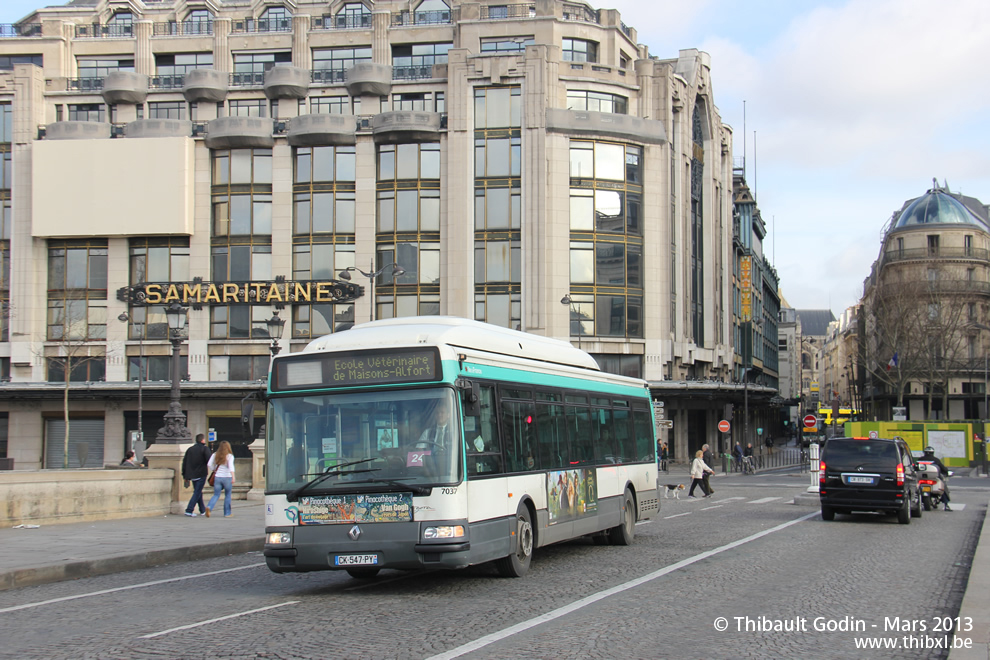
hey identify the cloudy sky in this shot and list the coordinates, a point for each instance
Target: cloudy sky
(852, 107)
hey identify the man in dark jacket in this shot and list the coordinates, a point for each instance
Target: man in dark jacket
(709, 460)
(194, 470)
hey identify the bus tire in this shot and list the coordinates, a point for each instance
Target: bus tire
(362, 573)
(623, 534)
(517, 563)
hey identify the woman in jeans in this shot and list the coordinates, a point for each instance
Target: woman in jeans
(223, 462)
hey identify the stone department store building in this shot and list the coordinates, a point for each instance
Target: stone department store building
(504, 156)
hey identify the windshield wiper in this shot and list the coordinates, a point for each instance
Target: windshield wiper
(416, 489)
(331, 471)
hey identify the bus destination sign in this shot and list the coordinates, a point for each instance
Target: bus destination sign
(356, 369)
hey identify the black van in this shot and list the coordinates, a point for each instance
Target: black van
(868, 474)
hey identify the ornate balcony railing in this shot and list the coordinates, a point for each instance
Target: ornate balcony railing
(580, 13)
(403, 18)
(503, 12)
(97, 31)
(412, 72)
(914, 254)
(10, 30)
(327, 76)
(261, 25)
(183, 29)
(342, 22)
(167, 82)
(84, 84)
(247, 79)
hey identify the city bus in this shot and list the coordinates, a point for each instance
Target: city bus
(440, 443)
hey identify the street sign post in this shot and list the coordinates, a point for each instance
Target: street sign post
(810, 421)
(724, 426)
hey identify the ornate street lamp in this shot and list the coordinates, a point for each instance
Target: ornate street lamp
(175, 430)
(372, 276)
(566, 301)
(125, 318)
(275, 327)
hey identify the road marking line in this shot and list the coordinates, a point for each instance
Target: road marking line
(764, 500)
(601, 595)
(677, 515)
(730, 499)
(957, 507)
(222, 618)
(717, 506)
(133, 586)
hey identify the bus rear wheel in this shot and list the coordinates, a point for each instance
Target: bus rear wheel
(517, 564)
(623, 534)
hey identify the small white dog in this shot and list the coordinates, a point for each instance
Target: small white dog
(673, 488)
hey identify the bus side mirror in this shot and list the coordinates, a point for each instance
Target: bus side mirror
(470, 396)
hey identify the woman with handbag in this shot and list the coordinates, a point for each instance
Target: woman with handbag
(221, 467)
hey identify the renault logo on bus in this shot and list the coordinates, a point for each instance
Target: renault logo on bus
(354, 533)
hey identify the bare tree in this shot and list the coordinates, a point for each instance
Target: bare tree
(894, 342)
(70, 353)
(946, 321)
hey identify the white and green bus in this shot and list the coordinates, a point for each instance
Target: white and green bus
(439, 442)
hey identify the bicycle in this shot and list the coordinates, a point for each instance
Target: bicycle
(747, 465)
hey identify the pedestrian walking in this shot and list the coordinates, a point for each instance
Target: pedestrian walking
(223, 463)
(194, 471)
(664, 455)
(709, 459)
(699, 470)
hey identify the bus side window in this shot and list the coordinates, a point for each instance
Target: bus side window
(484, 452)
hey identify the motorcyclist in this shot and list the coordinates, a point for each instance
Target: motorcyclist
(929, 457)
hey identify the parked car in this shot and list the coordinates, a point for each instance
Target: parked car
(869, 475)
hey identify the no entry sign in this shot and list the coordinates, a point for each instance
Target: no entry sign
(723, 426)
(810, 421)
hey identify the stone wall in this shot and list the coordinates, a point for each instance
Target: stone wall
(46, 497)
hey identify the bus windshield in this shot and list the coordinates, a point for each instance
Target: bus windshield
(379, 440)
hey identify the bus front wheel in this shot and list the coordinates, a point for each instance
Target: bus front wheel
(623, 534)
(517, 564)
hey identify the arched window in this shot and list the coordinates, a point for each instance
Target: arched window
(432, 11)
(199, 21)
(121, 24)
(353, 15)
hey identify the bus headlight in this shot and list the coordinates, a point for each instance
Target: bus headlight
(278, 538)
(444, 532)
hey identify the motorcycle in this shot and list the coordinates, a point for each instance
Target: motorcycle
(932, 485)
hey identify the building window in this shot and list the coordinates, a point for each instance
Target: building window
(417, 60)
(432, 11)
(120, 24)
(241, 247)
(155, 260)
(91, 67)
(167, 110)
(933, 245)
(7, 62)
(246, 108)
(421, 101)
(331, 105)
(178, 64)
(596, 102)
(606, 249)
(248, 367)
(502, 45)
(87, 112)
(82, 369)
(408, 230)
(77, 290)
(580, 50)
(353, 15)
(329, 64)
(198, 21)
(250, 68)
(275, 19)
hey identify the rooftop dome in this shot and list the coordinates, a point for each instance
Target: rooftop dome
(937, 206)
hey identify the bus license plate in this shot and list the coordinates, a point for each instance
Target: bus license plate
(861, 480)
(355, 560)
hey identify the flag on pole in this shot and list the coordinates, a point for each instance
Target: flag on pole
(892, 363)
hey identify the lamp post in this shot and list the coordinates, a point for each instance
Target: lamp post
(372, 275)
(124, 318)
(275, 327)
(175, 430)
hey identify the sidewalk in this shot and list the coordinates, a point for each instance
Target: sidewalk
(51, 553)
